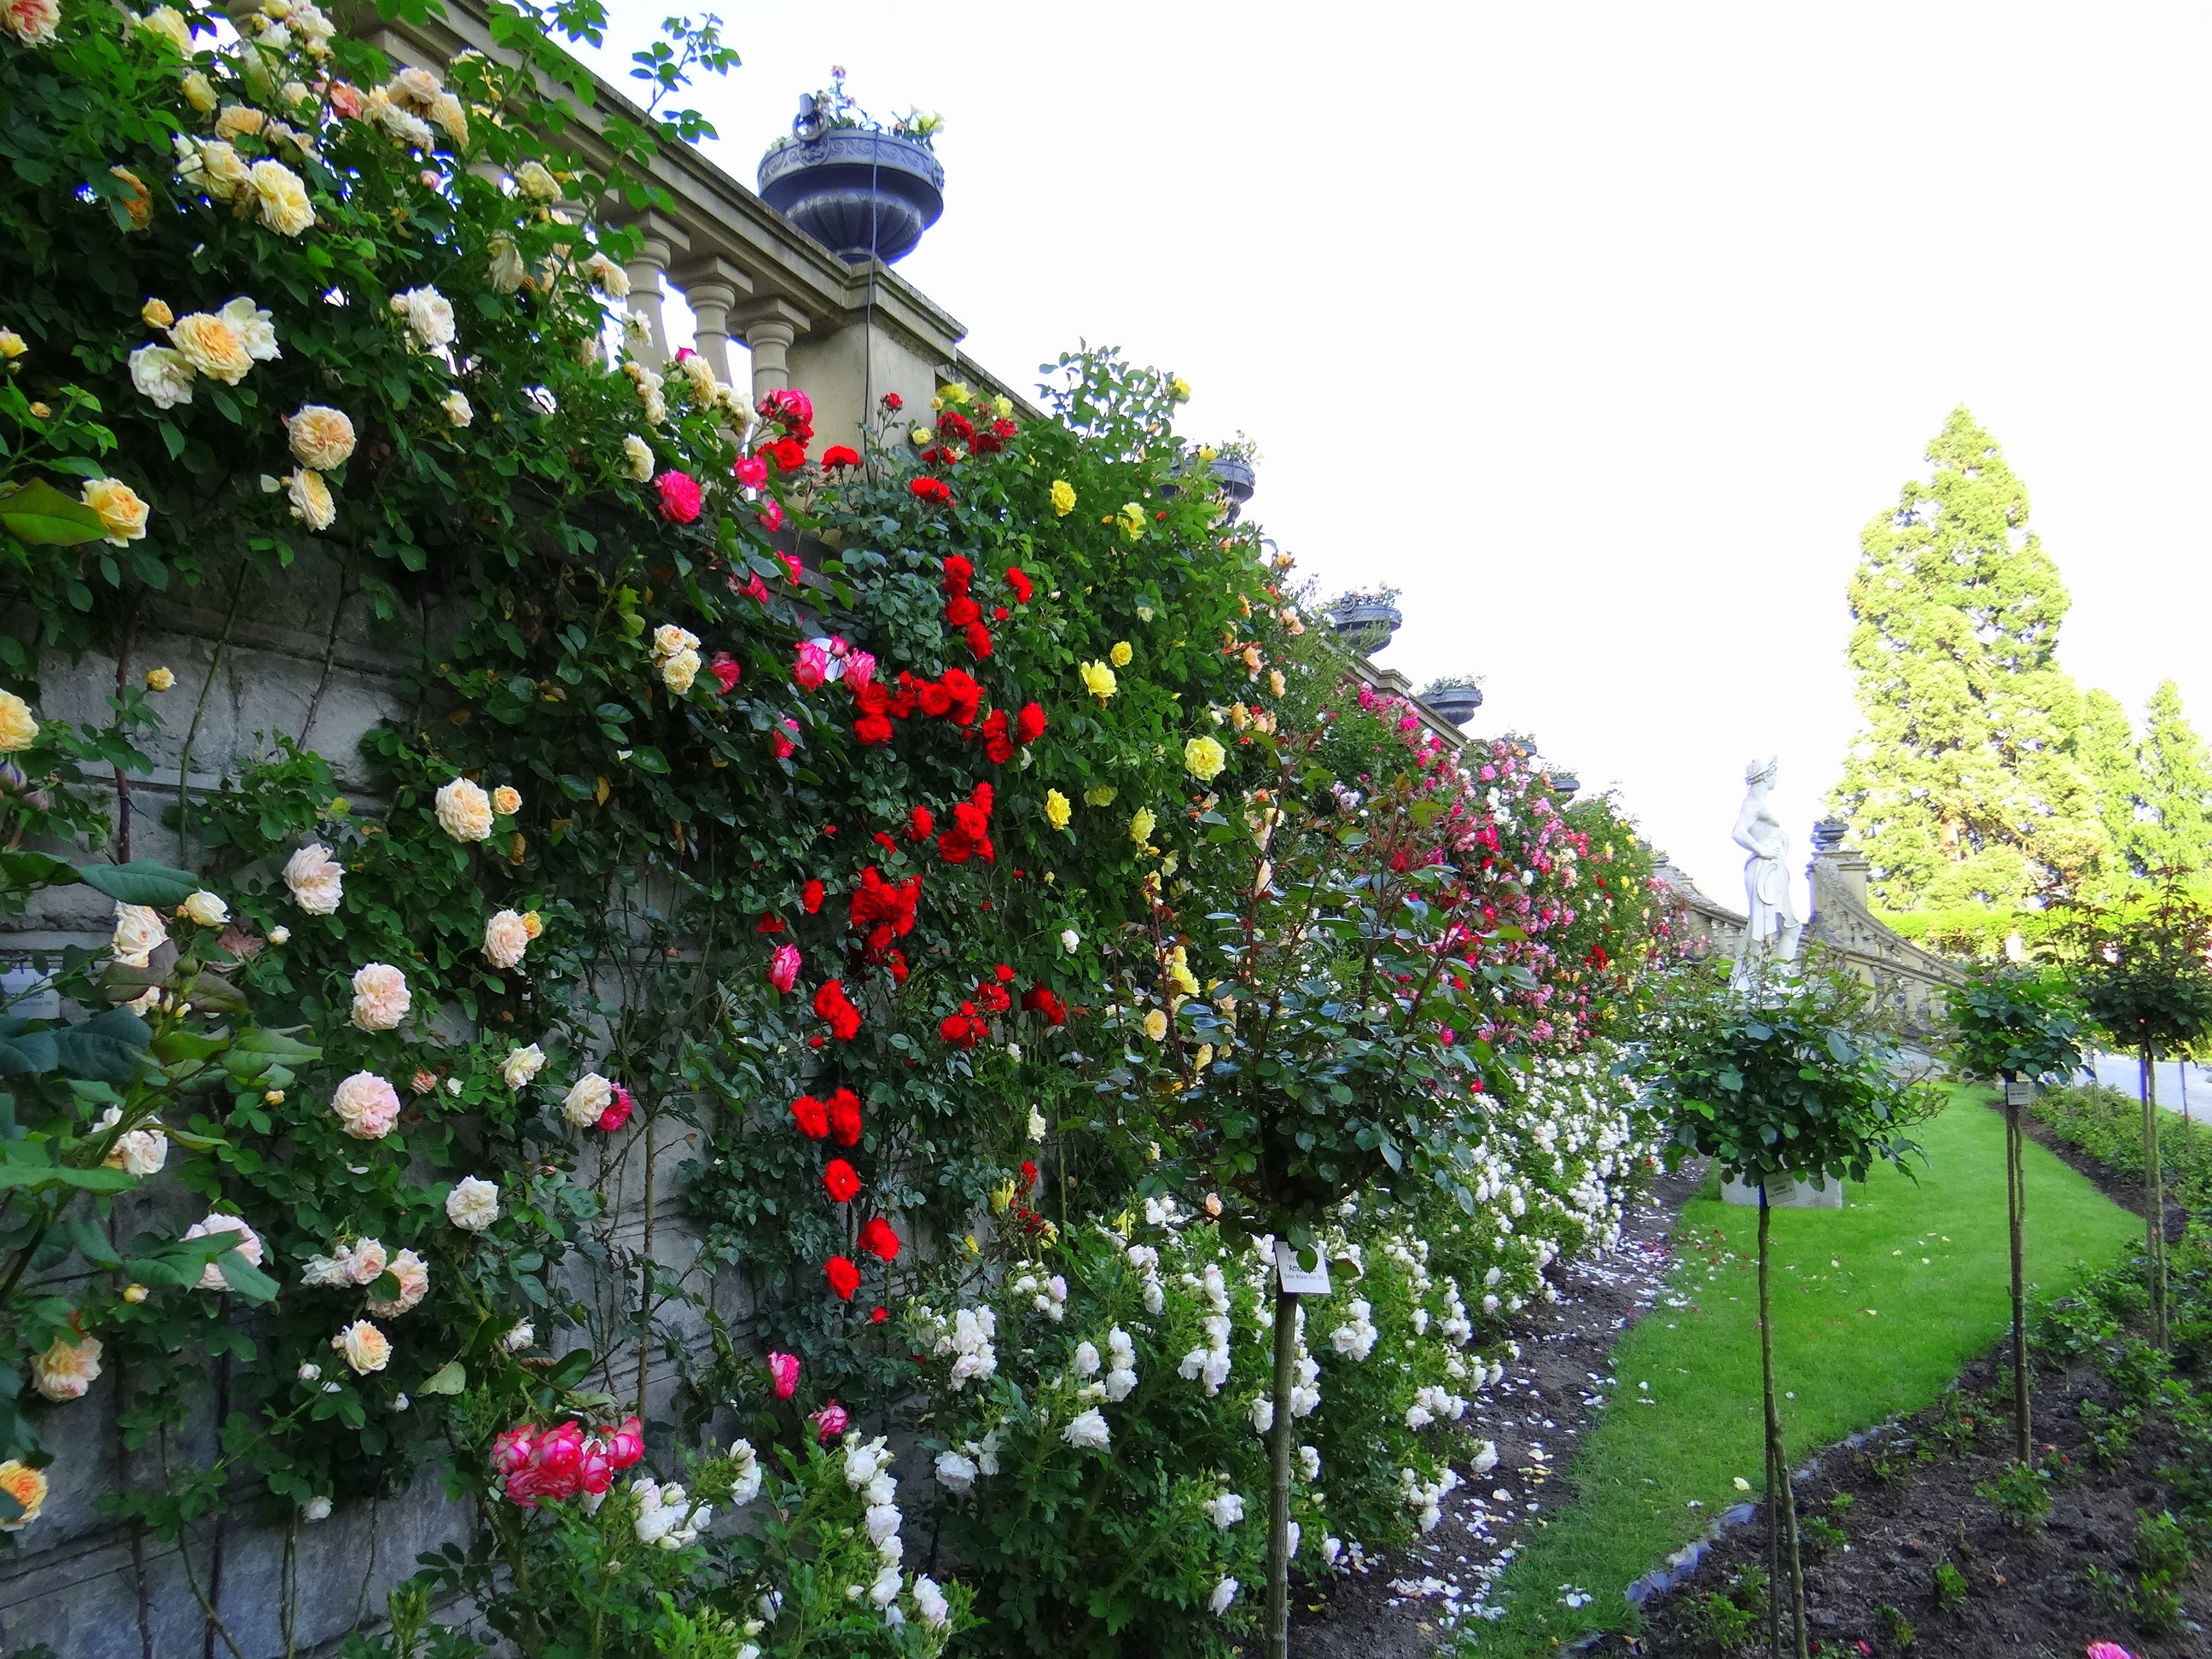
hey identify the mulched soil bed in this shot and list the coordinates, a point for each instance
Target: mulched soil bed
(2026, 1594)
(1401, 1605)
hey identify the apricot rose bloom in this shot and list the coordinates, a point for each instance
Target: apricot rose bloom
(414, 1276)
(367, 1105)
(32, 23)
(18, 730)
(506, 938)
(27, 1486)
(364, 1347)
(248, 1246)
(310, 500)
(121, 513)
(322, 437)
(506, 800)
(464, 811)
(66, 1369)
(380, 997)
(211, 346)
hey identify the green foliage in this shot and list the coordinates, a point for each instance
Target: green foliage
(2015, 1023)
(2021, 1494)
(1948, 1588)
(1965, 787)
(1894, 1626)
(2143, 967)
(2107, 1125)
(2176, 770)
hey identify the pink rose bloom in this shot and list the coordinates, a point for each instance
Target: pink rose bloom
(785, 748)
(784, 1368)
(560, 1451)
(597, 1472)
(2107, 1651)
(511, 1448)
(751, 471)
(618, 1112)
(757, 589)
(812, 666)
(679, 496)
(859, 669)
(626, 1444)
(830, 1422)
(771, 515)
(783, 967)
(347, 100)
(368, 1106)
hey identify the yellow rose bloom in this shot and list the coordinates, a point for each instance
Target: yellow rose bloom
(122, 514)
(11, 343)
(282, 199)
(28, 1487)
(923, 436)
(18, 731)
(1203, 1058)
(1063, 498)
(211, 346)
(1132, 518)
(139, 205)
(155, 313)
(310, 500)
(322, 437)
(1140, 826)
(199, 91)
(159, 679)
(954, 394)
(1098, 680)
(507, 801)
(169, 23)
(1203, 758)
(1155, 1025)
(1057, 810)
(1003, 406)
(239, 119)
(1119, 655)
(1102, 796)
(1275, 681)
(1179, 389)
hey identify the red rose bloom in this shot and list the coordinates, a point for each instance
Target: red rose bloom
(966, 696)
(844, 1276)
(999, 613)
(893, 401)
(878, 1239)
(962, 1029)
(979, 638)
(841, 1180)
(920, 823)
(995, 998)
(897, 962)
(958, 573)
(1039, 999)
(935, 490)
(724, 667)
(878, 1315)
(1019, 583)
(618, 1112)
(1003, 973)
(839, 455)
(1029, 725)
(872, 730)
(769, 923)
(811, 1117)
(844, 1113)
(1029, 1176)
(936, 702)
(962, 611)
(811, 897)
(831, 1003)
(870, 696)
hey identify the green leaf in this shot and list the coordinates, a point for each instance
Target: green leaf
(449, 1378)
(40, 514)
(140, 882)
(109, 1047)
(248, 1280)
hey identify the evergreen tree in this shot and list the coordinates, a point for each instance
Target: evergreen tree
(1964, 787)
(2106, 749)
(2176, 834)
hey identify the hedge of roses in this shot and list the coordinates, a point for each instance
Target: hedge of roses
(854, 808)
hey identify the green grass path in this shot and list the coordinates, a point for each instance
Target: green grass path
(1877, 1307)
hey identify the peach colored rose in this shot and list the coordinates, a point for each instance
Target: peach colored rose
(18, 730)
(27, 1486)
(321, 437)
(139, 931)
(281, 197)
(317, 880)
(66, 1369)
(506, 800)
(211, 346)
(364, 1347)
(121, 513)
(310, 500)
(505, 939)
(380, 997)
(464, 811)
(367, 1105)
(414, 1276)
(248, 1246)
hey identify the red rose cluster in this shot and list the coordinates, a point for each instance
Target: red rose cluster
(965, 1029)
(969, 837)
(559, 1462)
(961, 611)
(1041, 1000)
(831, 1003)
(839, 1116)
(884, 909)
(935, 491)
(954, 694)
(999, 738)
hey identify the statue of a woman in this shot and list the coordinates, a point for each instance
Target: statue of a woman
(1772, 929)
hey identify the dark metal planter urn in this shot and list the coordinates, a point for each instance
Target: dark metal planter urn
(861, 194)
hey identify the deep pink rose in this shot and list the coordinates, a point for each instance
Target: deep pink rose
(618, 1112)
(830, 1422)
(771, 515)
(783, 967)
(784, 1368)
(626, 1444)
(751, 471)
(812, 667)
(511, 1448)
(679, 497)
(859, 669)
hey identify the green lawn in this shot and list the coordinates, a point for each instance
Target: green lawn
(1877, 1307)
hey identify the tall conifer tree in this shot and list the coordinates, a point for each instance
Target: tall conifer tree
(2106, 749)
(1964, 786)
(2176, 834)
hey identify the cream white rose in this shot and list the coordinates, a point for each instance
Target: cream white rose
(317, 879)
(587, 1099)
(281, 197)
(247, 1244)
(455, 404)
(464, 811)
(637, 457)
(206, 908)
(414, 1276)
(473, 1205)
(311, 498)
(162, 375)
(430, 315)
(139, 932)
(364, 1347)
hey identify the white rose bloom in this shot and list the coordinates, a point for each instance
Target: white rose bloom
(1069, 939)
(929, 1601)
(380, 997)
(429, 316)
(464, 811)
(1088, 1431)
(522, 1064)
(138, 933)
(248, 1246)
(521, 1337)
(315, 1509)
(456, 406)
(637, 455)
(473, 1205)
(206, 909)
(1086, 1359)
(1224, 1594)
(886, 1589)
(954, 1472)
(1263, 1415)
(1224, 1511)
(1037, 1124)
(881, 1520)
(587, 1099)
(533, 180)
(256, 329)
(317, 879)
(141, 1153)
(745, 1485)
(162, 375)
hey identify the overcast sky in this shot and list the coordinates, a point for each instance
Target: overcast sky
(1600, 330)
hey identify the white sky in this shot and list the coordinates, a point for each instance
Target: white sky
(1600, 330)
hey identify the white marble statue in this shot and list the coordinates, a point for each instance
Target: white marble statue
(1773, 929)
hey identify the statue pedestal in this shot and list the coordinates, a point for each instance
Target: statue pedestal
(1786, 1195)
